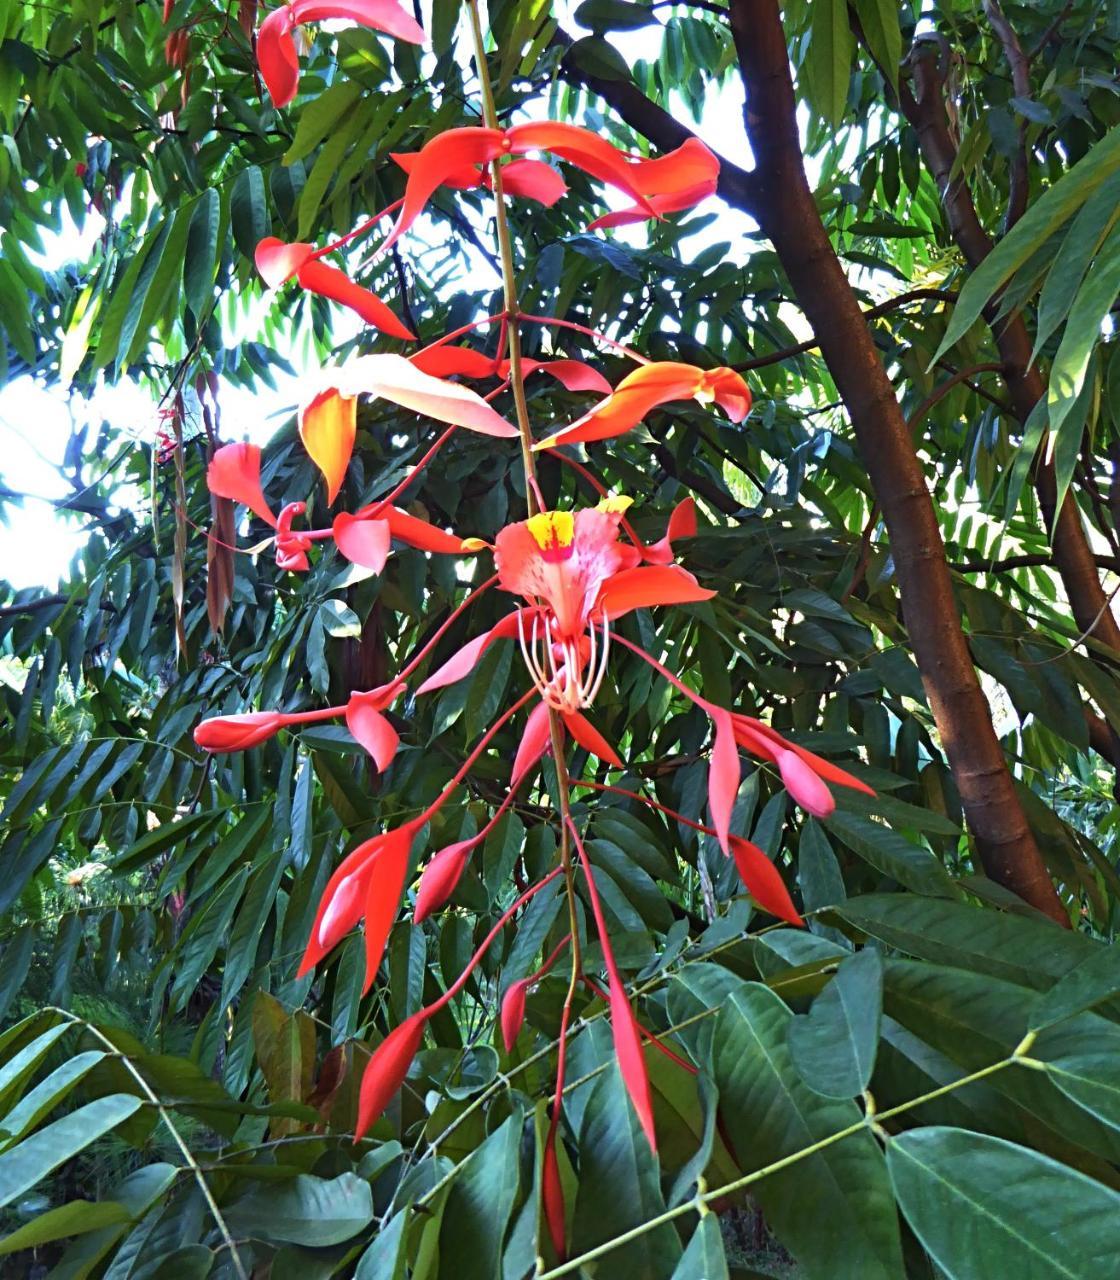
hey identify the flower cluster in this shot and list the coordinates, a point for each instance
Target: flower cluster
(571, 575)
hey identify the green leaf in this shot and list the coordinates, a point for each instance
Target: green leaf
(479, 1205)
(770, 1114)
(704, 1259)
(16, 1069)
(35, 1104)
(1036, 226)
(598, 57)
(316, 1212)
(1083, 331)
(619, 1186)
(828, 62)
(318, 116)
(834, 1044)
(1029, 951)
(1094, 980)
(614, 15)
(22, 1166)
(70, 1219)
(385, 1258)
(984, 1207)
(249, 210)
(879, 20)
(201, 258)
(912, 865)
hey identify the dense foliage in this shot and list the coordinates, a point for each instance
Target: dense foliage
(923, 1080)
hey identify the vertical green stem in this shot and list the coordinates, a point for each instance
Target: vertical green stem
(517, 385)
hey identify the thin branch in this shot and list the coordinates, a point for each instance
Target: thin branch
(1020, 66)
(1026, 561)
(872, 313)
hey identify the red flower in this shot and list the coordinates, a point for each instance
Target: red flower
(386, 1070)
(237, 733)
(447, 361)
(647, 387)
(529, 179)
(278, 262)
(672, 182)
(276, 50)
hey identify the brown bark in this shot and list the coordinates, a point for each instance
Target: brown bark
(777, 194)
(788, 215)
(924, 108)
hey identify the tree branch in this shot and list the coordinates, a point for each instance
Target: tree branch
(1020, 66)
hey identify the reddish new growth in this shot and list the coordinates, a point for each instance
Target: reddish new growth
(571, 575)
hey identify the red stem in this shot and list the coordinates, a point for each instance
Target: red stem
(360, 230)
(458, 333)
(441, 630)
(588, 333)
(601, 490)
(504, 919)
(377, 507)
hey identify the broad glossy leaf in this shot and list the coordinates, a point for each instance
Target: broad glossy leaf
(984, 1207)
(317, 1212)
(834, 1044)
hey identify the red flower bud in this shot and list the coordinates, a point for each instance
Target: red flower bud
(804, 785)
(441, 875)
(386, 1070)
(237, 733)
(513, 1012)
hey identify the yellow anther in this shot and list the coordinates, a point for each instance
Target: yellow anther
(552, 530)
(615, 505)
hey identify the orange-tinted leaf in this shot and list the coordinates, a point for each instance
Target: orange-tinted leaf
(327, 427)
(234, 472)
(330, 282)
(219, 561)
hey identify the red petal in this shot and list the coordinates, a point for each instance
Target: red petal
(446, 361)
(362, 541)
(723, 775)
(589, 738)
(324, 928)
(572, 374)
(344, 910)
(465, 661)
(465, 179)
(534, 743)
(591, 152)
(327, 427)
(441, 875)
(730, 391)
(277, 261)
(386, 878)
(276, 56)
(386, 1070)
(628, 1049)
(236, 733)
(394, 378)
(659, 204)
(763, 880)
(639, 392)
(373, 731)
(332, 283)
(648, 586)
(513, 1012)
(533, 180)
(804, 785)
(419, 533)
(447, 153)
(235, 472)
(381, 15)
(691, 165)
(682, 524)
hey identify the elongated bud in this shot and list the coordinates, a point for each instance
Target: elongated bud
(440, 877)
(237, 733)
(763, 880)
(553, 1195)
(343, 912)
(513, 1012)
(386, 1070)
(804, 785)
